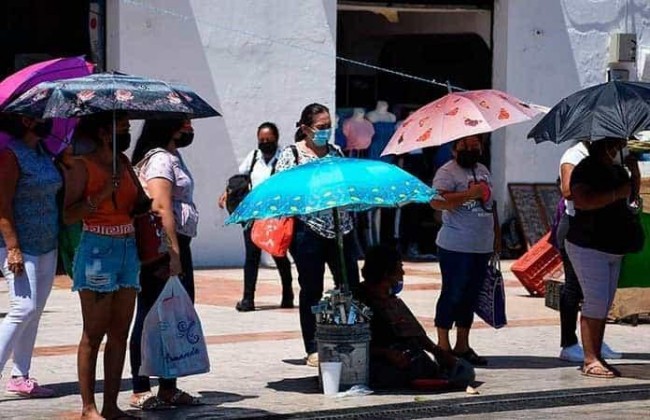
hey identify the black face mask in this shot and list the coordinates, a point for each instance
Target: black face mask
(123, 141)
(185, 139)
(468, 158)
(268, 149)
(42, 129)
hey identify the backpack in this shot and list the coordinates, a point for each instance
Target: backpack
(239, 186)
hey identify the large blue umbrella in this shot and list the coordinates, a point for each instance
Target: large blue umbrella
(332, 183)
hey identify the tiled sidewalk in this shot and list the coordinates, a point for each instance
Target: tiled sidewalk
(257, 366)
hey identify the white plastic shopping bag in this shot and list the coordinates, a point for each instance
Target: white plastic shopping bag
(173, 344)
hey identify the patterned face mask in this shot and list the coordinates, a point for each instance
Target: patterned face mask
(321, 137)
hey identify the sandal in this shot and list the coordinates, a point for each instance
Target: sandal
(616, 372)
(597, 370)
(148, 402)
(473, 358)
(182, 398)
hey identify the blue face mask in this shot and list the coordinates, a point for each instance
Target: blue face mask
(394, 290)
(321, 137)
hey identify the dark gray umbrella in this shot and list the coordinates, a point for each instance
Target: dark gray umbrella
(613, 109)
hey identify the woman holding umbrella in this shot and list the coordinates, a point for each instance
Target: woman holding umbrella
(169, 183)
(602, 231)
(29, 224)
(314, 242)
(106, 264)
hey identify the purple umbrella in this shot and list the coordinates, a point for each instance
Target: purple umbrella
(23, 80)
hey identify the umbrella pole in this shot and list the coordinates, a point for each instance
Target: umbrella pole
(114, 194)
(345, 287)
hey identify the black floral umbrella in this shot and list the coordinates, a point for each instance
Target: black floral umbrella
(138, 97)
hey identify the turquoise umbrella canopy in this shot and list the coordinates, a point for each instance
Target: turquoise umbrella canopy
(343, 183)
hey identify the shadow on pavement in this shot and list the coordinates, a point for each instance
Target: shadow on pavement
(636, 356)
(634, 370)
(307, 385)
(525, 362)
(63, 389)
(295, 362)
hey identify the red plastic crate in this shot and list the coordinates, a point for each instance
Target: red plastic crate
(541, 261)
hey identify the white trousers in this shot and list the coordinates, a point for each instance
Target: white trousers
(27, 296)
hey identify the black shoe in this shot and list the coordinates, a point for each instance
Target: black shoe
(473, 358)
(287, 304)
(245, 305)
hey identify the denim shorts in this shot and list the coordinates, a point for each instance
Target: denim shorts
(106, 263)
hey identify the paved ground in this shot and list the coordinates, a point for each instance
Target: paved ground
(257, 367)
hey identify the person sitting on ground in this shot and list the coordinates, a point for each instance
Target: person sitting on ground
(400, 347)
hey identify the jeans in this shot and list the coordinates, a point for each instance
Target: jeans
(311, 252)
(150, 288)
(571, 292)
(251, 268)
(463, 275)
(28, 294)
(105, 263)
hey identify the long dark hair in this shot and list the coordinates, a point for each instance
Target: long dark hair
(89, 126)
(155, 133)
(307, 118)
(12, 125)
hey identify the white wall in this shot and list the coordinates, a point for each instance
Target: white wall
(253, 60)
(545, 50)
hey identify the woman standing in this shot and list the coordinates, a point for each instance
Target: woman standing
(602, 231)
(314, 239)
(466, 242)
(167, 181)
(106, 265)
(29, 224)
(259, 165)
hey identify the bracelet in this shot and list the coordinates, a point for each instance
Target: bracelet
(91, 205)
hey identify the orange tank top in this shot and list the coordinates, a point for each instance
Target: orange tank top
(107, 214)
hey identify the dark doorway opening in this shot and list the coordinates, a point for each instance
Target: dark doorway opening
(37, 30)
(411, 42)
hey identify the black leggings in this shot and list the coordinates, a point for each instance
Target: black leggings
(150, 288)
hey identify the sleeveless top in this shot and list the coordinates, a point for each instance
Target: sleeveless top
(107, 214)
(36, 213)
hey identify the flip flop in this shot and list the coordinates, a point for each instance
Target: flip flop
(597, 370)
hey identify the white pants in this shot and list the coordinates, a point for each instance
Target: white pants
(27, 296)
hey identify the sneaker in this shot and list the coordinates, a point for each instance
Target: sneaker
(312, 360)
(607, 353)
(28, 388)
(573, 354)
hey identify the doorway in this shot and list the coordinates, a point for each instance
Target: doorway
(37, 30)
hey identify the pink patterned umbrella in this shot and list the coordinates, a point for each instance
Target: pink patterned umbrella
(30, 76)
(457, 115)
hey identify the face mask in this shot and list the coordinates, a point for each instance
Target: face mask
(468, 158)
(42, 129)
(321, 137)
(268, 149)
(186, 138)
(123, 141)
(395, 289)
